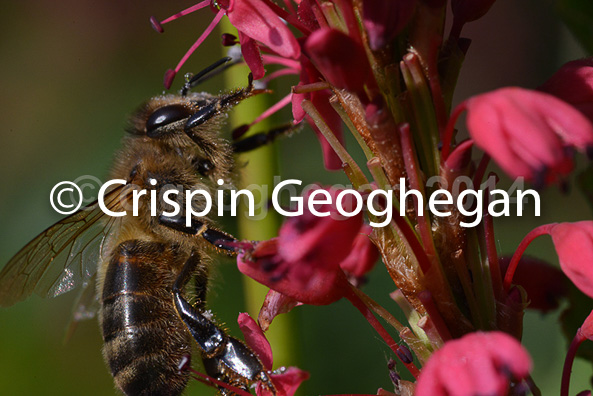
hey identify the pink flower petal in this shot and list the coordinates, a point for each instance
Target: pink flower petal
(527, 132)
(544, 284)
(587, 327)
(297, 110)
(477, 363)
(257, 20)
(301, 236)
(574, 246)
(255, 338)
(252, 56)
(306, 14)
(302, 263)
(322, 287)
(274, 304)
(286, 383)
(362, 256)
(341, 59)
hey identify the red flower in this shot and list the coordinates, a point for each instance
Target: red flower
(252, 56)
(288, 380)
(586, 329)
(254, 20)
(340, 58)
(258, 21)
(363, 256)
(274, 304)
(359, 262)
(528, 133)
(383, 20)
(573, 83)
(476, 364)
(545, 285)
(574, 246)
(303, 262)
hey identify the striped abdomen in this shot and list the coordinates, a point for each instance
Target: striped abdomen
(144, 338)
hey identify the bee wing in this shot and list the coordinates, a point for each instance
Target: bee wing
(62, 257)
(85, 307)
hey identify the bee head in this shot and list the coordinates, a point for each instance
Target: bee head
(166, 116)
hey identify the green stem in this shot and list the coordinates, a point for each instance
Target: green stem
(422, 113)
(258, 177)
(366, 312)
(351, 168)
(480, 312)
(538, 231)
(485, 284)
(365, 148)
(405, 334)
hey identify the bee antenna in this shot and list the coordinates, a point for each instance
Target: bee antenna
(208, 72)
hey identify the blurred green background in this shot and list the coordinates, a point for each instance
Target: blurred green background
(71, 72)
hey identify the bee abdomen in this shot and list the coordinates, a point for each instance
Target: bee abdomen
(144, 338)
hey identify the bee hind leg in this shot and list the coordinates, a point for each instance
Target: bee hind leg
(225, 358)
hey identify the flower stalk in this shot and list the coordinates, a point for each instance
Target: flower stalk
(386, 71)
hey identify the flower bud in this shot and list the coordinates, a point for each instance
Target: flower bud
(383, 20)
(573, 83)
(340, 59)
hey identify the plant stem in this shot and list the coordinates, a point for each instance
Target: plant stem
(538, 231)
(412, 341)
(570, 355)
(366, 312)
(450, 130)
(259, 178)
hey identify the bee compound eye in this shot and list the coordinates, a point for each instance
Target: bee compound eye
(165, 116)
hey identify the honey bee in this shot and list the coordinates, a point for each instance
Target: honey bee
(139, 267)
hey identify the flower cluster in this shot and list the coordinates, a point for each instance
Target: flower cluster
(387, 70)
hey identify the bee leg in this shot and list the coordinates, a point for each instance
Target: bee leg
(201, 288)
(262, 138)
(219, 239)
(208, 336)
(220, 105)
(225, 358)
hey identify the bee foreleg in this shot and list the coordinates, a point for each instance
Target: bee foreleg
(222, 104)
